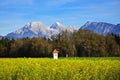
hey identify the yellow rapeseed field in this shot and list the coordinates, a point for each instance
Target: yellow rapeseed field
(61, 69)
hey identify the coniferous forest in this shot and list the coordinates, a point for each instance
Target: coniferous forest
(82, 43)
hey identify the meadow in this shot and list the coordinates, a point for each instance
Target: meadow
(61, 69)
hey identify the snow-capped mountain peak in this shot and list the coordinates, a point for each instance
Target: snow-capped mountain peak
(32, 26)
(37, 29)
(58, 28)
(56, 25)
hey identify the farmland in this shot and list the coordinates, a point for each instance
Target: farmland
(61, 69)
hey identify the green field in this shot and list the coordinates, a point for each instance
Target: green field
(62, 69)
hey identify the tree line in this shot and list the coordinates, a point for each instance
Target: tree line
(82, 43)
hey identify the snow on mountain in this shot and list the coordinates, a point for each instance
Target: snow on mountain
(102, 28)
(33, 29)
(37, 29)
(58, 28)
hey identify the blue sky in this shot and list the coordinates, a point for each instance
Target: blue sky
(14, 14)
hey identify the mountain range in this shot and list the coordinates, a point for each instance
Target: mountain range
(102, 28)
(38, 29)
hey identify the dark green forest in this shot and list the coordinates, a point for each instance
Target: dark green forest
(82, 43)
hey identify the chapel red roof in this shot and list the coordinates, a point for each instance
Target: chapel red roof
(55, 51)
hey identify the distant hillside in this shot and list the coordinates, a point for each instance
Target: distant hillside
(1, 37)
(102, 28)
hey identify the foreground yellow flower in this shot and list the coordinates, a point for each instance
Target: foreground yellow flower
(62, 69)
